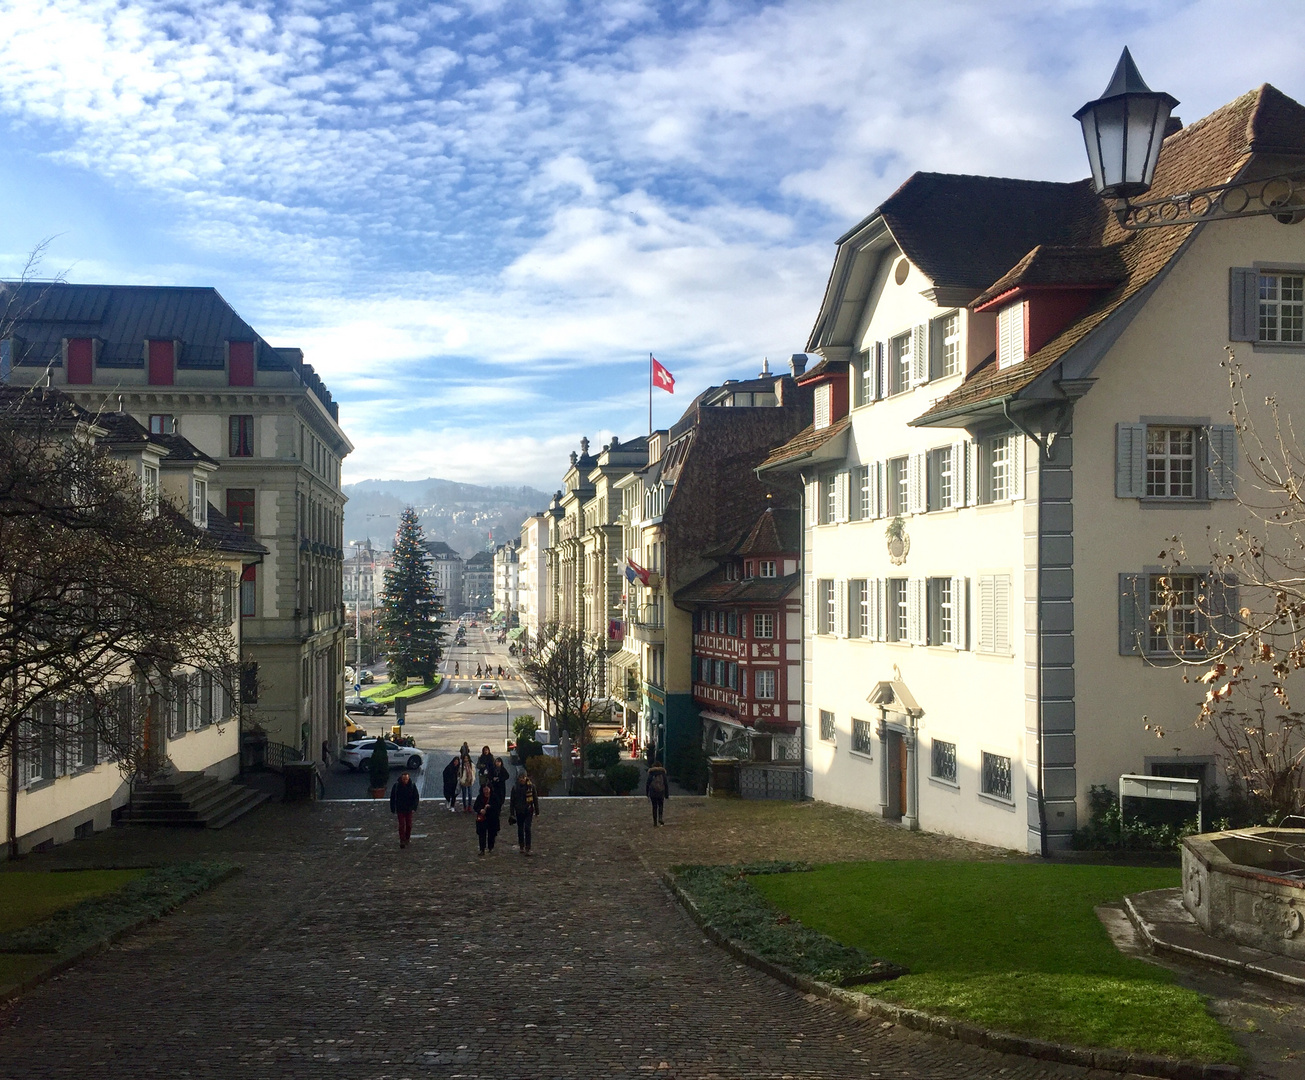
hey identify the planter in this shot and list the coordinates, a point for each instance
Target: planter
(378, 793)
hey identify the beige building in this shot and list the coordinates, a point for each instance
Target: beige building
(1019, 402)
(182, 359)
(532, 570)
(68, 782)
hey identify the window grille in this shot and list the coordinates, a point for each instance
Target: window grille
(951, 344)
(862, 736)
(1174, 617)
(898, 487)
(901, 364)
(898, 610)
(997, 776)
(1282, 307)
(1171, 462)
(763, 626)
(942, 761)
(826, 726)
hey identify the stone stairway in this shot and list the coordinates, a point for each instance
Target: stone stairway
(191, 800)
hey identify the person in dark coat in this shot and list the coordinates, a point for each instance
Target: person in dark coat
(404, 798)
(451, 783)
(498, 780)
(484, 765)
(487, 808)
(658, 790)
(524, 807)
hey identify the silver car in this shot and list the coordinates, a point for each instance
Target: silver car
(358, 754)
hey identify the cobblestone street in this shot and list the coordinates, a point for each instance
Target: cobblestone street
(336, 954)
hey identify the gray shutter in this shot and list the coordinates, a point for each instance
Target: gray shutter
(960, 472)
(987, 614)
(1221, 461)
(841, 495)
(960, 613)
(881, 370)
(920, 354)
(916, 618)
(915, 484)
(1017, 440)
(973, 466)
(1132, 613)
(1223, 608)
(1243, 304)
(1130, 461)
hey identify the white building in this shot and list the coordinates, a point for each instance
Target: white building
(507, 569)
(532, 574)
(1019, 402)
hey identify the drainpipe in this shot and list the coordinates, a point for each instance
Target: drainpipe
(13, 793)
(1043, 452)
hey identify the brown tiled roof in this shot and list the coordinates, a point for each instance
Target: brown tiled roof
(778, 529)
(181, 450)
(1211, 151)
(825, 368)
(804, 442)
(1047, 265)
(713, 588)
(40, 404)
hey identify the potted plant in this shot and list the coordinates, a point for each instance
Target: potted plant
(378, 769)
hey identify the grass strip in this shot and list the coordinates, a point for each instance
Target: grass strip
(726, 899)
(71, 930)
(31, 896)
(388, 692)
(1014, 947)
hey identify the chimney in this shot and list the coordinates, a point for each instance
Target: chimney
(765, 368)
(798, 362)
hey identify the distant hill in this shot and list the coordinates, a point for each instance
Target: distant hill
(467, 517)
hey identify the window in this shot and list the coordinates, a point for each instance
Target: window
(898, 487)
(826, 726)
(1282, 307)
(947, 337)
(733, 675)
(941, 619)
(1171, 462)
(162, 424)
(732, 626)
(240, 508)
(899, 368)
(858, 607)
(766, 568)
(149, 489)
(942, 474)
(763, 683)
(997, 468)
(862, 736)
(1173, 617)
(863, 497)
(823, 405)
(241, 436)
(828, 498)
(942, 761)
(1010, 335)
(863, 375)
(199, 503)
(995, 614)
(898, 610)
(763, 626)
(996, 777)
(826, 607)
(249, 592)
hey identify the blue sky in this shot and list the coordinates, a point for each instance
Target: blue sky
(479, 217)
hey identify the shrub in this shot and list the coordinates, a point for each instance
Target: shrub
(545, 771)
(524, 728)
(378, 767)
(526, 749)
(590, 785)
(689, 765)
(623, 777)
(602, 755)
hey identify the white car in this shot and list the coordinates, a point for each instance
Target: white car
(489, 690)
(358, 754)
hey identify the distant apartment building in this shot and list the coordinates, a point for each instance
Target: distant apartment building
(364, 575)
(181, 360)
(507, 582)
(532, 574)
(447, 570)
(478, 582)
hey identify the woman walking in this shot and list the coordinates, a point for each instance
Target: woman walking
(498, 780)
(466, 779)
(451, 783)
(524, 807)
(484, 766)
(404, 798)
(657, 789)
(488, 807)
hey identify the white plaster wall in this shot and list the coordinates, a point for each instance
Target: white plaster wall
(69, 796)
(214, 749)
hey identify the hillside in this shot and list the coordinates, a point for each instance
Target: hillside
(468, 517)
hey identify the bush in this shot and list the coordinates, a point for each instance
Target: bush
(526, 749)
(378, 768)
(524, 728)
(545, 771)
(690, 767)
(602, 755)
(623, 777)
(590, 785)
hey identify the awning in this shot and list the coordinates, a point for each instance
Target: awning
(515, 632)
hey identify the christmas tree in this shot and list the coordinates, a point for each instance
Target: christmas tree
(409, 623)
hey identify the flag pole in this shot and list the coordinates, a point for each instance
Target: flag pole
(650, 364)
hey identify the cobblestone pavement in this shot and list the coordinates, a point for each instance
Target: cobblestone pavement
(335, 954)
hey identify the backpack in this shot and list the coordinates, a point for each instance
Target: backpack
(657, 785)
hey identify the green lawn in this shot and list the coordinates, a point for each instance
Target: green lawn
(28, 897)
(1013, 946)
(387, 692)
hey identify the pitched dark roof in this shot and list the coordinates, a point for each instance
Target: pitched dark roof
(227, 536)
(41, 404)
(1264, 123)
(440, 550)
(804, 443)
(714, 588)
(824, 369)
(777, 529)
(1050, 266)
(124, 430)
(181, 450)
(481, 560)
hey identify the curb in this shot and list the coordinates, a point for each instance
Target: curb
(1121, 1061)
(61, 965)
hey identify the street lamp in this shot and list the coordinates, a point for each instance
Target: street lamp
(1123, 130)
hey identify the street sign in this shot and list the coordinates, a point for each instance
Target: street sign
(400, 710)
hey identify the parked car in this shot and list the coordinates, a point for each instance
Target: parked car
(357, 703)
(489, 690)
(357, 754)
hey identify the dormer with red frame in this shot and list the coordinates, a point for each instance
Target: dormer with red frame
(828, 383)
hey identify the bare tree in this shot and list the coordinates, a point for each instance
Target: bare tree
(567, 678)
(103, 595)
(1249, 641)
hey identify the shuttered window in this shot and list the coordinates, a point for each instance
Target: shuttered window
(898, 501)
(823, 405)
(1175, 462)
(994, 617)
(1282, 308)
(1163, 614)
(899, 364)
(898, 622)
(1010, 335)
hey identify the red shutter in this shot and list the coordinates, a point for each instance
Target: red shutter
(161, 363)
(240, 363)
(79, 361)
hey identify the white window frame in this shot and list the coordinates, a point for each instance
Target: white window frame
(1011, 345)
(766, 568)
(949, 344)
(1168, 627)
(1276, 308)
(899, 366)
(765, 681)
(858, 608)
(1187, 462)
(149, 488)
(897, 622)
(763, 626)
(898, 472)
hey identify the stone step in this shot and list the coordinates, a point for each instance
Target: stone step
(191, 801)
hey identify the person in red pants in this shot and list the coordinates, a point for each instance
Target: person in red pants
(404, 798)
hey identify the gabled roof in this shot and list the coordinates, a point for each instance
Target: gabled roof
(1048, 266)
(41, 404)
(776, 530)
(1260, 131)
(714, 588)
(440, 550)
(808, 444)
(181, 450)
(226, 535)
(124, 431)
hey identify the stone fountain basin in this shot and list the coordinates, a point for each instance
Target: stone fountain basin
(1248, 886)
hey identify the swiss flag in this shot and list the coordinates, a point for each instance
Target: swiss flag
(662, 378)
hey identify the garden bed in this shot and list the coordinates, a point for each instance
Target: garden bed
(387, 693)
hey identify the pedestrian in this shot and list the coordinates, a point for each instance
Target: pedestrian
(484, 766)
(488, 808)
(466, 779)
(451, 783)
(326, 754)
(498, 780)
(523, 808)
(457, 669)
(657, 789)
(500, 671)
(404, 798)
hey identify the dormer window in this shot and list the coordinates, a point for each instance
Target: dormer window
(824, 408)
(199, 503)
(1010, 335)
(766, 568)
(149, 489)
(747, 569)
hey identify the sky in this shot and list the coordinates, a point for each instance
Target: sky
(479, 217)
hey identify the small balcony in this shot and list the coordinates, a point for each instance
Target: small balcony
(648, 624)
